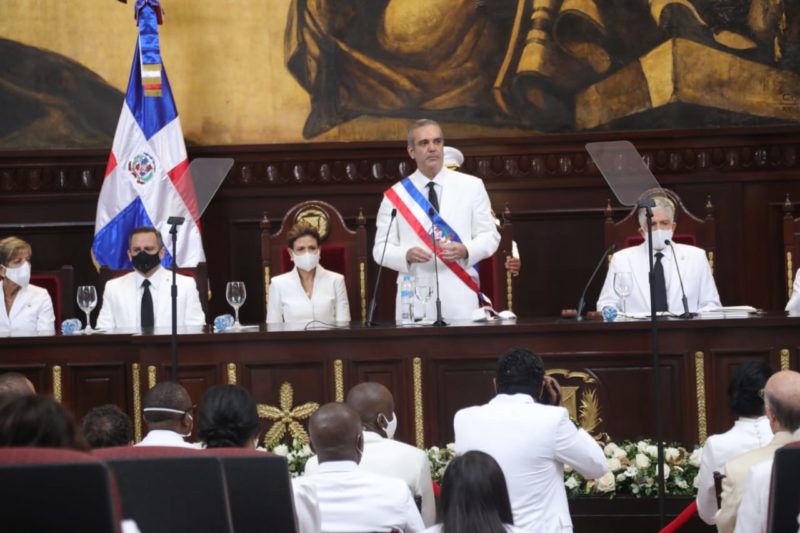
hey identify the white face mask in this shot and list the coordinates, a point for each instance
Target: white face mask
(20, 275)
(391, 425)
(307, 261)
(659, 238)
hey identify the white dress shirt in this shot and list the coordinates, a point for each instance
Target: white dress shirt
(396, 459)
(288, 301)
(31, 312)
(793, 305)
(531, 442)
(306, 509)
(165, 437)
(701, 291)
(745, 435)
(354, 501)
(754, 510)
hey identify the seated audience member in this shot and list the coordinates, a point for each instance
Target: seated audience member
(14, 384)
(474, 497)
(167, 411)
(142, 298)
(228, 418)
(750, 431)
(349, 499)
(782, 389)
(698, 282)
(107, 426)
(793, 305)
(27, 308)
(38, 421)
(308, 291)
(383, 455)
(527, 431)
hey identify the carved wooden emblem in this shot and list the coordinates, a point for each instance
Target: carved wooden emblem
(579, 396)
(316, 217)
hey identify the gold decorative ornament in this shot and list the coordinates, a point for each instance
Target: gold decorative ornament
(137, 402)
(231, 373)
(338, 379)
(266, 290)
(711, 261)
(509, 291)
(57, 392)
(151, 376)
(362, 283)
(286, 417)
(585, 412)
(419, 420)
(700, 379)
(785, 365)
(789, 273)
(316, 218)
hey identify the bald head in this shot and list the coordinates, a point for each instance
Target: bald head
(14, 384)
(782, 400)
(336, 433)
(374, 404)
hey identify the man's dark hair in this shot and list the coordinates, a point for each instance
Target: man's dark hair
(228, 417)
(38, 421)
(107, 426)
(13, 384)
(146, 229)
(520, 371)
(166, 395)
(744, 390)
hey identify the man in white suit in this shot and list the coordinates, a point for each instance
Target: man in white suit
(142, 299)
(698, 282)
(784, 421)
(526, 430)
(462, 203)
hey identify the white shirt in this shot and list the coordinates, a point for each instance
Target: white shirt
(531, 442)
(753, 511)
(31, 312)
(306, 509)
(745, 435)
(288, 301)
(354, 501)
(165, 437)
(396, 459)
(511, 529)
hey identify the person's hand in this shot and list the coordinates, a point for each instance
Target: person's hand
(513, 264)
(551, 392)
(453, 251)
(418, 255)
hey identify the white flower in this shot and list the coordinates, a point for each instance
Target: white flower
(652, 451)
(606, 483)
(567, 469)
(642, 446)
(451, 447)
(666, 471)
(696, 457)
(619, 453)
(642, 461)
(631, 471)
(614, 464)
(621, 477)
(610, 449)
(571, 483)
(671, 454)
(434, 450)
(281, 449)
(696, 481)
(681, 483)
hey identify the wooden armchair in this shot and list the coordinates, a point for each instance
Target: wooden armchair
(791, 244)
(343, 250)
(61, 286)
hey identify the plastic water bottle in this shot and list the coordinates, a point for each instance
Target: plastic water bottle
(407, 299)
(71, 326)
(223, 322)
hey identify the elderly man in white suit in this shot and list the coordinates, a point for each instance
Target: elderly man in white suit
(462, 203)
(685, 262)
(527, 431)
(125, 300)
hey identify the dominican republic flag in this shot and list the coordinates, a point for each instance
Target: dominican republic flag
(146, 180)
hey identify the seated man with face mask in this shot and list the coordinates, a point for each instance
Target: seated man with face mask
(167, 411)
(307, 292)
(698, 282)
(142, 299)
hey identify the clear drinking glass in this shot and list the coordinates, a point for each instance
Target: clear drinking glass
(87, 301)
(236, 294)
(623, 286)
(423, 290)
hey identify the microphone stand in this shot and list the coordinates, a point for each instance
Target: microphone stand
(582, 301)
(174, 222)
(439, 320)
(374, 302)
(684, 300)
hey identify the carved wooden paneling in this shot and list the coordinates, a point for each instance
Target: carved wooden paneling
(90, 385)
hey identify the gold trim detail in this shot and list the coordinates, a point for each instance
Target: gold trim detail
(151, 376)
(700, 378)
(419, 421)
(711, 261)
(57, 391)
(789, 274)
(785, 364)
(266, 291)
(509, 291)
(338, 379)
(137, 402)
(232, 374)
(362, 280)
(286, 417)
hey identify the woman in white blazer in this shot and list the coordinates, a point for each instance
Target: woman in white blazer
(27, 308)
(308, 292)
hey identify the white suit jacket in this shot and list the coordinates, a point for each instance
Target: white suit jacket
(745, 435)
(793, 305)
(464, 205)
(531, 442)
(397, 459)
(122, 302)
(735, 476)
(32, 311)
(754, 509)
(701, 291)
(288, 301)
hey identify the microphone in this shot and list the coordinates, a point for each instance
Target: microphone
(582, 301)
(439, 321)
(684, 300)
(374, 302)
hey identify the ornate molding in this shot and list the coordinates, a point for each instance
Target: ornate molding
(419, 412)
(137, 402)
(362, 287)
(232, 374)
(338, 380)
(286, 417)
(700, 384)
(151, 376)
(789, 274)
(785, 361)
(57, 390)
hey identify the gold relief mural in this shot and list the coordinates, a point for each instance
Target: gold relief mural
(579, 396)
(264, 71)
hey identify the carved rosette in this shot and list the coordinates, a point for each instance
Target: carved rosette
(286, 417)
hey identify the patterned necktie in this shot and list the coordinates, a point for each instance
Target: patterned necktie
(432, 198)
(148, 318)
(659, 284)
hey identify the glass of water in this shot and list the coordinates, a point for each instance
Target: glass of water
(236, 294)
(423, 290)
(623, 286)
(87, 301)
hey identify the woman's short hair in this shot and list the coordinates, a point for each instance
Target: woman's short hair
(744, 390)
(38, 421)
(301, 229)
(11, 247)
(228, 417)
(474, 496)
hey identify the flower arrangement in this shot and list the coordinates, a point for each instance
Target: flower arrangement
(297, 454)
(439, 457)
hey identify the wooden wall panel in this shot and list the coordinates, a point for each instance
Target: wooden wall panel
(37, 373)
(391, 374)
(90, 385)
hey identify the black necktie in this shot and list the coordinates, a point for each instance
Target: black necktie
(148, 319)
(659, 284)
(432, 198)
